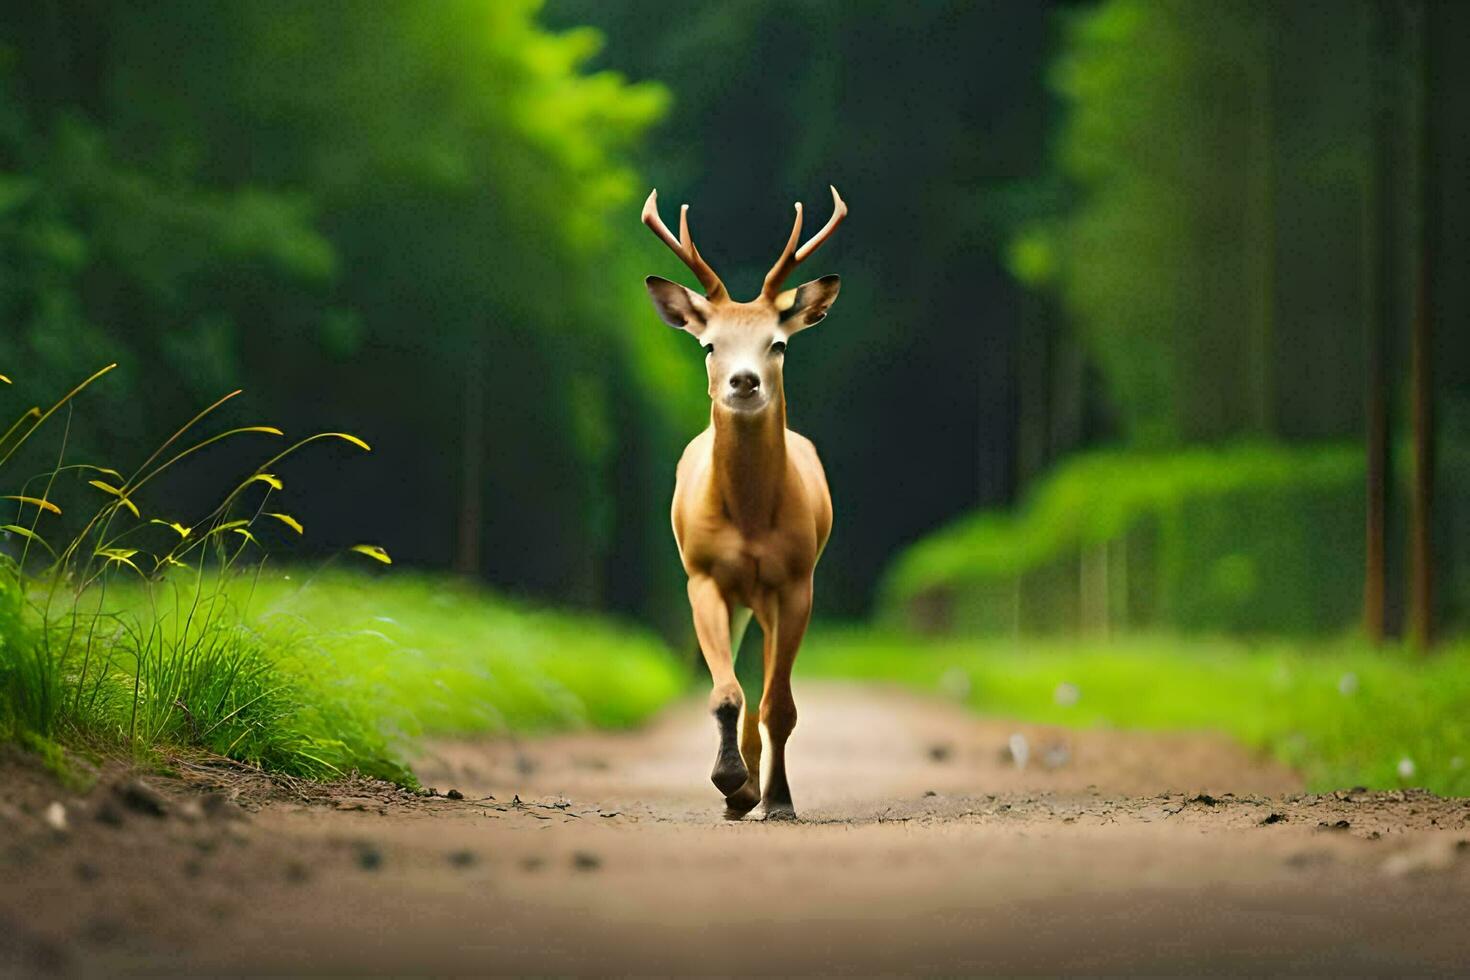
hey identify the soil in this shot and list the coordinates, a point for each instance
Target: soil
(922, 847)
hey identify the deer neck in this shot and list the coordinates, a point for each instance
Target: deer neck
(750, 462)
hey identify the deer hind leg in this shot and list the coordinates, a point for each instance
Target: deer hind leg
(712, 626)
(784, 634)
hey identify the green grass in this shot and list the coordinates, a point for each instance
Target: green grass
(1340, 714)
(433, 655)
(127, 629)
(318, 675)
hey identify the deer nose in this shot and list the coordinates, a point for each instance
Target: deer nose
(745, 383)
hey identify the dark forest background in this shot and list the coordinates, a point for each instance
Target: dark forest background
(1140, 226)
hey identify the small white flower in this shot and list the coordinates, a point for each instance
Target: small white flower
(1407, 768)
(56, 817)
(1347, 684)
(1066, 694)
(1020, 750)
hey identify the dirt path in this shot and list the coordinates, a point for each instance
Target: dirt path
(922, 847)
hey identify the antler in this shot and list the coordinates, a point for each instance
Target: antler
(683, 246)
(792, 256)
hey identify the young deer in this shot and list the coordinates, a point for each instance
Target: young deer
(751, 508)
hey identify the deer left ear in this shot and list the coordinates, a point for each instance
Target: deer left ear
(807, 304)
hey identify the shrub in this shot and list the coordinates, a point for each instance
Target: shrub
(1244, 538)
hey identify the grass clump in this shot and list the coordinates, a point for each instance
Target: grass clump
(130, 631)
(431, 655)
(177, 662)
(1338, 712)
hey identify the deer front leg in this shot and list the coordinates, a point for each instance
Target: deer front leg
(712, 626)
(744, 799)
(784, 634)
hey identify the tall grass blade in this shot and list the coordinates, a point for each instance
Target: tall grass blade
(43, 504)
(373, 551)
(52, 410)
(29, 535)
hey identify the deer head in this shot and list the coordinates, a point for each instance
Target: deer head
(744, 343)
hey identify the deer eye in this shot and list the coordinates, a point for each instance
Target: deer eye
(779, 347)
(709, 349)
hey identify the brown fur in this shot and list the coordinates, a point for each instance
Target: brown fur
(751, 511)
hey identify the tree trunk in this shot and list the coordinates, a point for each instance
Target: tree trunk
(1421, 381)
(470, 524)
(1261, 215)
(1378, 310)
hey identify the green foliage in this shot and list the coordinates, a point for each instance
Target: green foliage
(181, 668)
(1155, 264)
(1251, 537)
(430, 655)
(349, 206)
(929, 118)
(322, 674)
(1212, 253)
(1340, 714)
(145, 634)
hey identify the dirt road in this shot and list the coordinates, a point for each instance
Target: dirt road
(923, 847)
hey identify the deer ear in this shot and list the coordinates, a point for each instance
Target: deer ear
(680, 308)
(807, 304)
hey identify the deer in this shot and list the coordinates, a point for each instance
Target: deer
(751, 511)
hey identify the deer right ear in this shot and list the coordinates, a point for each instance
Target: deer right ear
(680, 308)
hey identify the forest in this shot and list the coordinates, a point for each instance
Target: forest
(1085, 377)
(337, 430)
(214, 203)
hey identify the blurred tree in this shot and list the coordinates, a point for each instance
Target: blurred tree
(1380, 258)
(1234, 209)
(932, 120)
(400, 219)
(1423, 23)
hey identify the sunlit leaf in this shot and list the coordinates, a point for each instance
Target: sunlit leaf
(372, 551)
(109, 488)
(34, 501)
(245, 533)
(28, 534)
(120, 556)
(170, 560)
(352, 439)
(287, 520)
(267, 478)
(179, 529)
(5, 379)
(227, 526)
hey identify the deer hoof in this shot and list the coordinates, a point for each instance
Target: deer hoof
(780, 811)
(729, 774)
(742, 801)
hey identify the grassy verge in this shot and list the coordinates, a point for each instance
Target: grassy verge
(1340, 714)
(126, 628)
(432, 655)
(318, 675)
